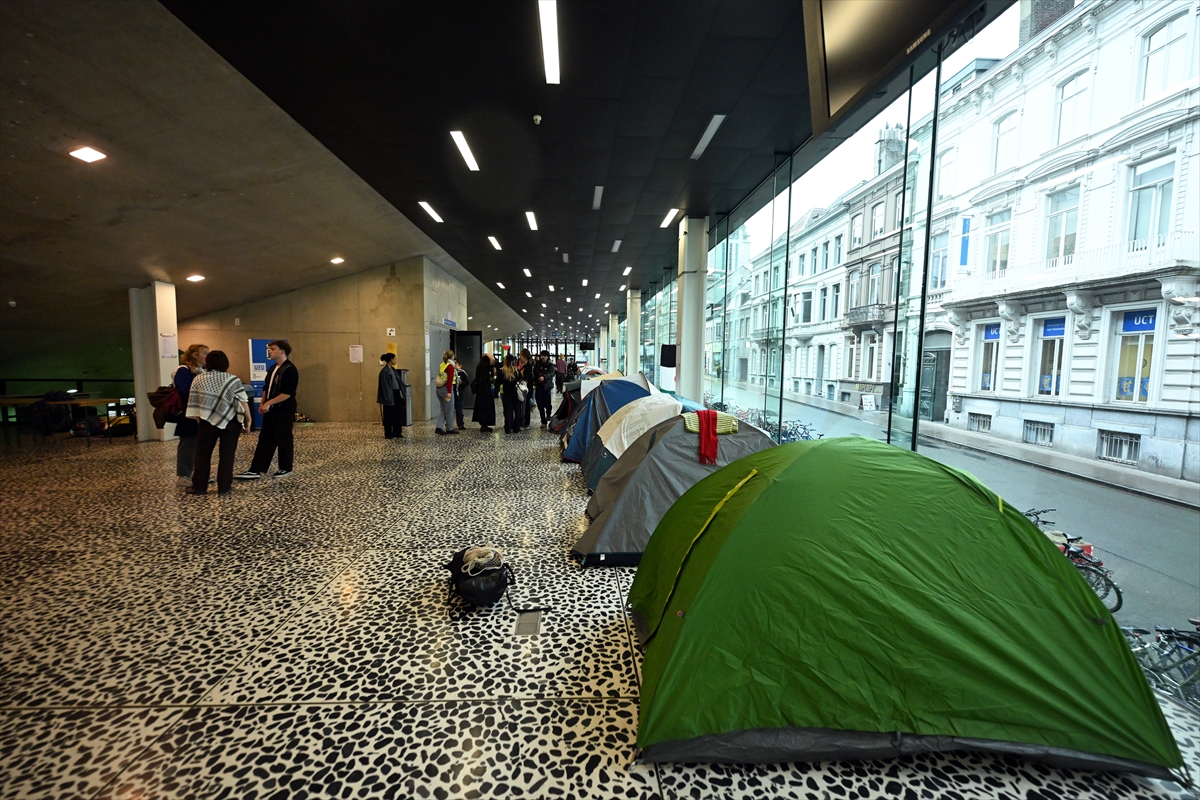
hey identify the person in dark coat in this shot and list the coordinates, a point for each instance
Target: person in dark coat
(513, 408)
(485, 402)
(543, 385)
(391, 398)
(525, 370)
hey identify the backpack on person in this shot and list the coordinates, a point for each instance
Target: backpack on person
(441, 376)
(522, 391)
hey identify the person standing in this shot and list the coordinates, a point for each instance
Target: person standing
(485, 401)
(543, 376)
(460, 394)
(191, 364)
(390, 397)
(219, 406)
(278, 410)
(560, 372)
(525, 370)
(444, 391)
(508, 395)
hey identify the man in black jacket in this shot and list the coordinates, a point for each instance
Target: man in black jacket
(278, 410)
(543, 381)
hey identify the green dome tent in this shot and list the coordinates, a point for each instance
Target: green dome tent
(846, 599)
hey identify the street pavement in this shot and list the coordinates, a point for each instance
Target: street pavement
(1152, 546)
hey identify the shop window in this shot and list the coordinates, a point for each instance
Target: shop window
(1004, 143)
(1166, 59)
(877, 214)
(939, 264)
(998, 233)
(856, 226)
(1072, 116)
(1061, 225)
(1135, 352)
(1150, 203)
(989, 358)
(1050, 364)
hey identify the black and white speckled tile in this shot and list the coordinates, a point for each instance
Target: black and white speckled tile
(571, 749)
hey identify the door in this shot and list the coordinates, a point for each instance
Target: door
(439, 342)
(935, 382)
(820, 365)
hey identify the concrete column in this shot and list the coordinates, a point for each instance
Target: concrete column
(633, 331)
(614, 322)
(689, 337)
(155, 338)
(602, 350)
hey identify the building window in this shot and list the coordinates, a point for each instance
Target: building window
(944, 177)
(1121, 447)
(1150, 203)
(998, 229)
(989, 361)
(824, 256)
(877, 214)
(869, 347)
(897, 277)
(775, 277)
(837, 249)
(806, 307)
(852, 298)
(835, 300)
(1166, 57)
(1064, 217)
(1039, 433)
(873, 287)
(813, 261)
(800, 265)
(1050, 367)
(824, 304)
(756, 284)
(850, 351)
(1072, 113)
(899, 210)
(1135, 351)
(1004, 143)
(855, 231)
(980, 423)
(939, 264)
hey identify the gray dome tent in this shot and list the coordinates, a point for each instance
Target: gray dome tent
(645, 481)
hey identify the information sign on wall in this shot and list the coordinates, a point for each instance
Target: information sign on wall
(1052, 328)
(258, 364)
(1138, 321)
(991, 333)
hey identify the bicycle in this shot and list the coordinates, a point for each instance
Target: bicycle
(1090, 568)
(1171, 662)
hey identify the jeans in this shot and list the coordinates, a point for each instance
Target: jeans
(185, 456)
(445, 410)
(206, 439)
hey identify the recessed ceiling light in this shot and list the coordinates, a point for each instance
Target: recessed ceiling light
(501, 285)
(532, 220)
(552, 287)
(670, 216)
(597, 295)
(195, 278)
(543, 305)
(548, 16)
(495, 244)
(585, 281)
(528, 274)
(337, 260)
(88, 154)
(527, 294)
(616, 245)
(542, 315)
(566, 258)
(596, 198)
(707, 136)
(429, 210)
(606, 305)
(622, 288)
(524, 310)
(568, 299)
(471, 318)
(465, 149)
(627, 270)
(581, 309)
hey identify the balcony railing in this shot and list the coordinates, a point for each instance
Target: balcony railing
(1114, 261)
(865, 315)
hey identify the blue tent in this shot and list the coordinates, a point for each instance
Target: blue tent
(597, 407)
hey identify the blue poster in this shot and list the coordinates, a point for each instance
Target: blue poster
(1138, 321)
(966, 242)
(985, 382)
(1054, 327)
(1048, 381)
(991, 333)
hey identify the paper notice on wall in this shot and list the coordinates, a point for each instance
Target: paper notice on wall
(356, 354)
(168, 345)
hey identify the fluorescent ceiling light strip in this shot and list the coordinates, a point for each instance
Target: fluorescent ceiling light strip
(709, 132)
(622, 288)
(528, 274)
(527, 294)
(548, 16)
(597, 295)
(532, 220)
(566, 258)
(616, 245)
(596, 198)
(195, 278)
(501, 285)
(552, 287)
(465, 149)
(429, 210)
(585, 281)
(88, 154)
(670, 216)
(495, 244)
(627, 270)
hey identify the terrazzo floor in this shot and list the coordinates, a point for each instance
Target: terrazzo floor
(295, 639)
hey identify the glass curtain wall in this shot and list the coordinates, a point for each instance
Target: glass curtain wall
(971, 273)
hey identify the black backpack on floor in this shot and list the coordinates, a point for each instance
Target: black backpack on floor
(482, 586)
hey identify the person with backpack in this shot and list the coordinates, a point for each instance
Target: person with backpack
(443, 387)
(485, 401)
(191, 364)
(220, 407)
(543, 382)
(390, 397)
(513, 408)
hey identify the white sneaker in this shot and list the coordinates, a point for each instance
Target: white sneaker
(281, 473)
(248, 476)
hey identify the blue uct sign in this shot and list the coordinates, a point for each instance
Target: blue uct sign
(991, 332)
(1139, 321)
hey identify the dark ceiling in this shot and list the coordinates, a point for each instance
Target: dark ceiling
(381, 85)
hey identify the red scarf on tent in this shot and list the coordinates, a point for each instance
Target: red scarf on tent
(708, 436)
